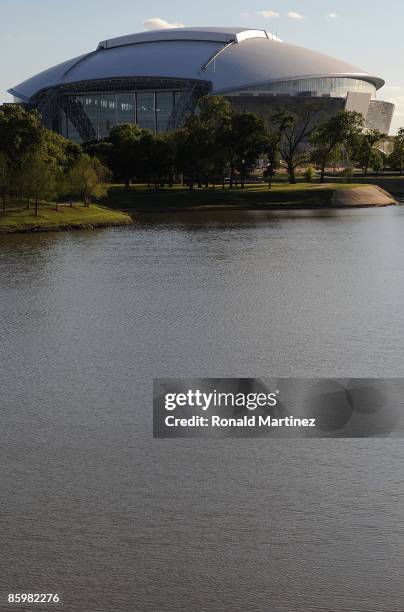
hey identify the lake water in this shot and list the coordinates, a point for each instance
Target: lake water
(96, 510)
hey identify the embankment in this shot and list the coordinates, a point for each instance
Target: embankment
(281, 197)
(65, 218)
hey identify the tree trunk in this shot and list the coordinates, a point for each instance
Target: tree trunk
(36, 207)
(291, 172)
(4, 205)
(28, 204)
(322, 174)
(270, 176)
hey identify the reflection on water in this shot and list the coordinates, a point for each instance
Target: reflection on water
(97, 510)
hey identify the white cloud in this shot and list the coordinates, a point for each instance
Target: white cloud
(155, 23)
(332, 15)
(268, 14)
(294, 15)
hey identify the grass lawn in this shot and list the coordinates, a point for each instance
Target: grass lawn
(139, 197)
(64, 218)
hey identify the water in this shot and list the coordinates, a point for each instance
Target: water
(95, 509)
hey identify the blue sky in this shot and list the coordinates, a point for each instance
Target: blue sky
(36, 34)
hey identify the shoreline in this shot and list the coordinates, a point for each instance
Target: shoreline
(299, 197)
(280, 198)
(66, 218)
(255, 208)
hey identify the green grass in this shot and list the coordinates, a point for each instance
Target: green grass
(65, 217)
(139, 197)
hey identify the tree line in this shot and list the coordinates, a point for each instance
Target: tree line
(37, 164)
(217, 145)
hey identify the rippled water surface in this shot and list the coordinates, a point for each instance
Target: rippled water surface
(96, 510)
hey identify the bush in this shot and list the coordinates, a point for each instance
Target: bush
(309, 174)
(347, 174)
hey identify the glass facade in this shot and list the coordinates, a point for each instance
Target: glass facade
(88, 116)
(151, 110)
(146, 110)
(165, 104)
(325, 86)
(380, 115)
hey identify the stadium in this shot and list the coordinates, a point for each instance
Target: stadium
(155, 78)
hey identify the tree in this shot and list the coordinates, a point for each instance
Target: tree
(194, 153)
(40, 178)
(160, 159)
(87, 178)
(21, 132)
(377, 160)
(73, 153)
(294, 134)
(4, 179)
(273, 155)
(247, 141)
(39, 171)
(145, 151)
(122, 155)
(170, 160)
(215, 113)
(331, 135)
(364, 148)
(396, 158)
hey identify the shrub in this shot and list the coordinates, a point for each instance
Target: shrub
(309, 174)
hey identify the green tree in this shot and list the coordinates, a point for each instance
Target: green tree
(377, 160)
(160, 158)
(54, 153)
(171, 156)
(21, 132)
(247, 141)
(396, 158)
(364, 147)
(331, 135)
(87, 179)
(215, 114)
(122, 155)
(294, 134)
(73, 153)
(273, 155)
(194, 152)
(40, 178)
(4, 179)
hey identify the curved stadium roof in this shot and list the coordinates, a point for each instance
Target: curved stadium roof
(230, 58)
